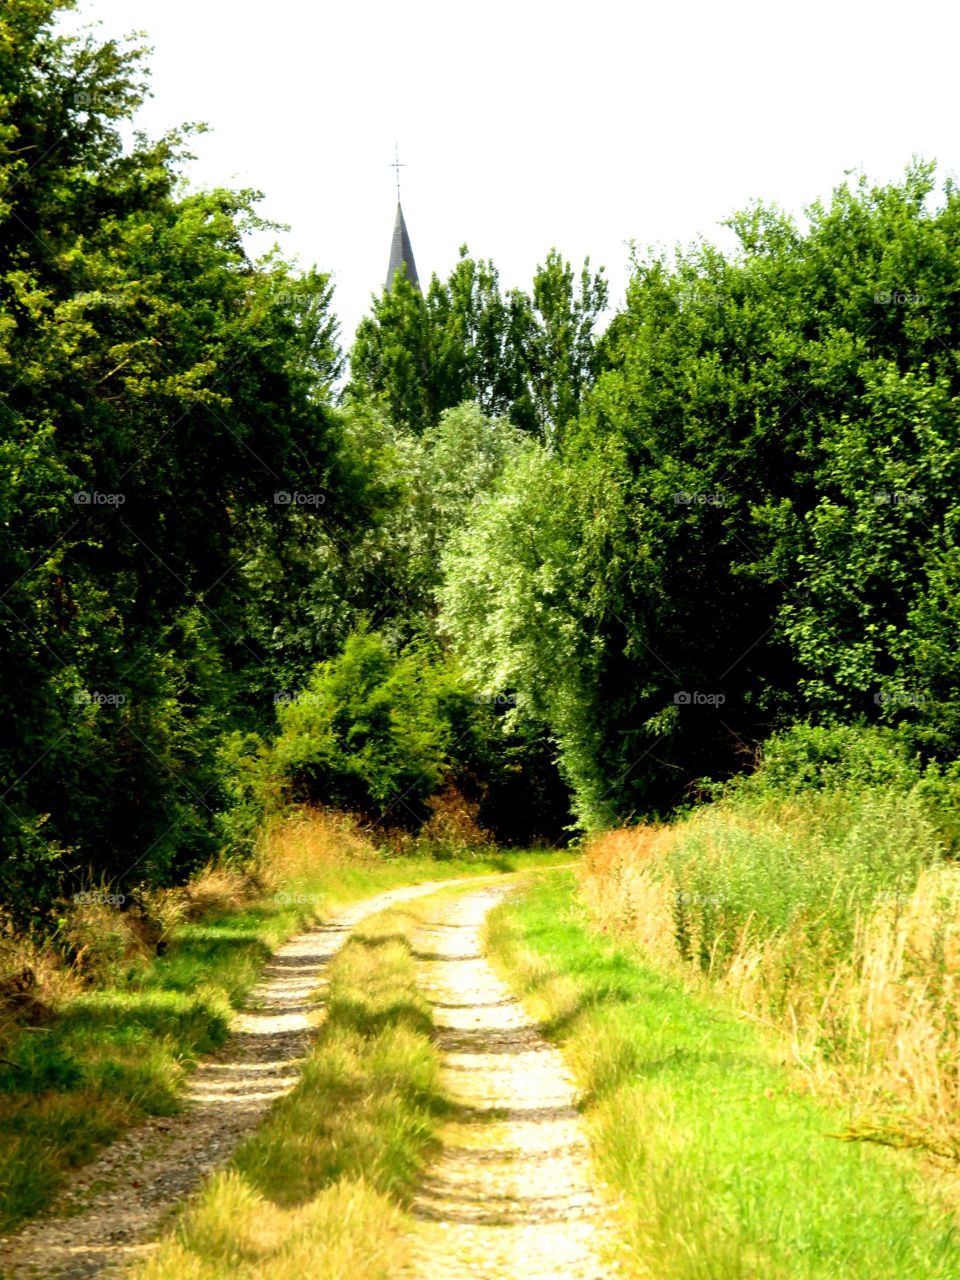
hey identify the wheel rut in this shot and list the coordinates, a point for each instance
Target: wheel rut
(114, 1207)
(511, 1194)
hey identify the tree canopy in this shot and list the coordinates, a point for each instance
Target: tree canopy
(574, 573)
(528, 357)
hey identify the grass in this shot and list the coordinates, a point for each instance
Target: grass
(103, 1056)
(319, 1190)
(830, 916)
(727, 1171)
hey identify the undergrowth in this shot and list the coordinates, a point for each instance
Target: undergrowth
(725, 1169)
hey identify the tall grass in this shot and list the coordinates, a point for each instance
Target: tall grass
(831, 916)
(724, 1168)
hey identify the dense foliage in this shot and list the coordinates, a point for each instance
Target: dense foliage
(507, 546)
(755, 517)
(529, 357)
(161, 391)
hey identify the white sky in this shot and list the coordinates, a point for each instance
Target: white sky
(530, 124)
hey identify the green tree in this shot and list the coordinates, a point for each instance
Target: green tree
(162, 387)
(753, 518)
(517, 357)
(366, 733)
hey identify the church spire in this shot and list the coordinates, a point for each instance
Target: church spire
(401, 250)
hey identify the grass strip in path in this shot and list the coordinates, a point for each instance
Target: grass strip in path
(319, 1189)
(117, 1053)
(728, 1172)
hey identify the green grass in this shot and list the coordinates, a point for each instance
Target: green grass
(318, 1190)
(809, 865)
(728, 1172)
(115, 1054)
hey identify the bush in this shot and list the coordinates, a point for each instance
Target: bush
(823, 757)
(250, 795)
(851, 758)
(368, 733)
(758, 868)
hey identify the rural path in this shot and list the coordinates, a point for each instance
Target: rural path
(115, 1204)
(511, 1195)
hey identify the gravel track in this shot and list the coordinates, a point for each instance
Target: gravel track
(512, 1195)
(116, 1204)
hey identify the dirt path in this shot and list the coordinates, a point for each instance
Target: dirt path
(117, 1202)
(511, 1196)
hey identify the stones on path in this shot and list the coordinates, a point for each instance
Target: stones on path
(116, 1204)
(511, 1195)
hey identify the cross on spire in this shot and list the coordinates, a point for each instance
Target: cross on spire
(397, 166)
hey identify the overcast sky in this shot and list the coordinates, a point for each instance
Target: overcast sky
(526, 124)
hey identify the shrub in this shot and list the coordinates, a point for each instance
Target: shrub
(367, 733)
(853, 757)
(821, 757)
(250, 793)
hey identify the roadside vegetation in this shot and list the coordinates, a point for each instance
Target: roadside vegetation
(320, 1188)
(727, 1168)
(821, 895)
(99, 1042)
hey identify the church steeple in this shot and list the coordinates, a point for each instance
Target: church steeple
(401, 250)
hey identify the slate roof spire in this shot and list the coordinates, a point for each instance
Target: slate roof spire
(401, 251)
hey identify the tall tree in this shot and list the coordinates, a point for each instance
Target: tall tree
(755, 514)
(529, 359)
(160, 389)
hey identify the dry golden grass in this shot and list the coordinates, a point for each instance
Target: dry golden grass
(292, 845)
(33, 979)
(892, 1010)
(623, 894)
(234, 1233)
(877, 1021)
(452, 825)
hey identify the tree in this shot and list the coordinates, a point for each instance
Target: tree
(164, 388)
(529, 360)
(753, 518)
